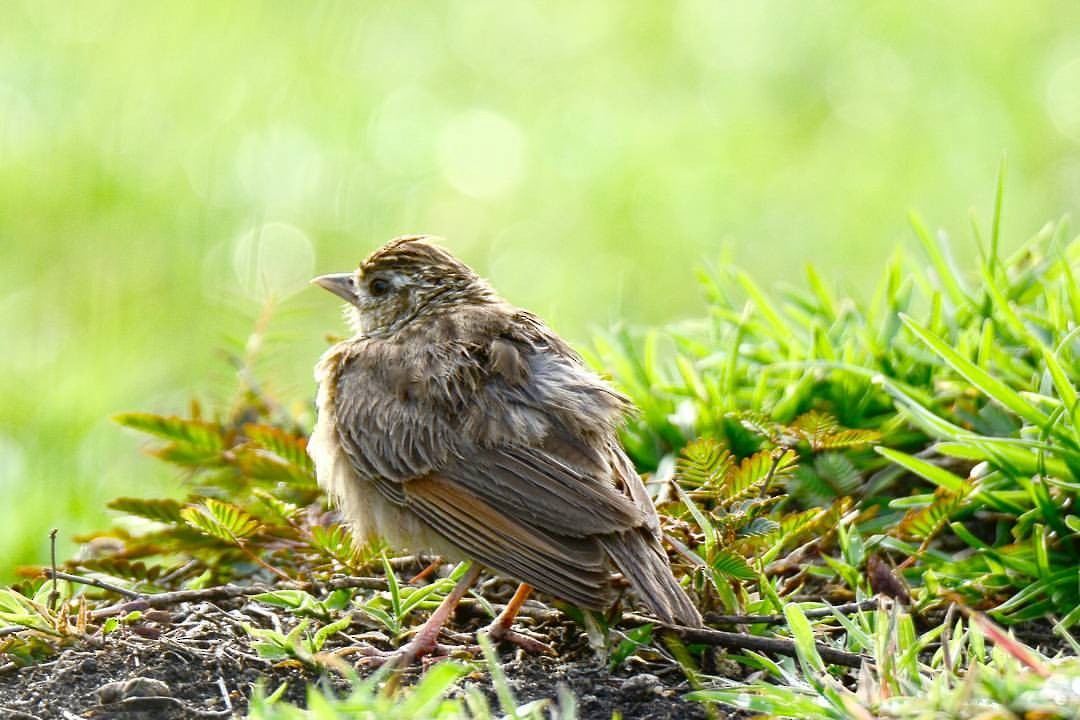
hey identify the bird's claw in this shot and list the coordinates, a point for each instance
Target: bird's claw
(406, 655)
(429, 651)
(501, 633)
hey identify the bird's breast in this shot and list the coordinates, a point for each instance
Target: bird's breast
(370, 514)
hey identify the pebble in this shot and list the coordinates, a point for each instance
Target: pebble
(120, 690)
(643, 684)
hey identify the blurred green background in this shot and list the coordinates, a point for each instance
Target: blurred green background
(165, 168)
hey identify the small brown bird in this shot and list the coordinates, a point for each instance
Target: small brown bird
(454, 422)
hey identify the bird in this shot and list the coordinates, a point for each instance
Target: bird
(453, 422)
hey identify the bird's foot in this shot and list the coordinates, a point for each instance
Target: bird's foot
(502, 632)
(425, 651)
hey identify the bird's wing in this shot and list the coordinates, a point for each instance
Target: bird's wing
(515, 431)
(575, 569)
(519, 423)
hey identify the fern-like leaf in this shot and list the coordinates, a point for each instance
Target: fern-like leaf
(160, 510)
(755, 472)
(335, 542)
(221, 520)
(703, 463)
(759, 527)
(823, 432)
(260, 464)
(815, 424)
(732, 565)
(188, 455)
(292, 449)
(205, 436)
(926, 522)
(285, 511)
(126, 569)
(837, 470)
(847, 438)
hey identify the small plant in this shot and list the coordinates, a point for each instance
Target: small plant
(298, 644)
(735, 516)
(393, 608)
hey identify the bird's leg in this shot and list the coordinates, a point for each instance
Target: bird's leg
(499, 629)
(431, 567)
(425, 641)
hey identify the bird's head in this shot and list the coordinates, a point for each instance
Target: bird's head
(409, 277)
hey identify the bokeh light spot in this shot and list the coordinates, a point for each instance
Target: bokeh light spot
(1063, 99)
(402, 131)
(12, 462)
(273, 261)
(279, 169)
(482, 153)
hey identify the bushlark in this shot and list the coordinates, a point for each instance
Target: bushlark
(454, 422)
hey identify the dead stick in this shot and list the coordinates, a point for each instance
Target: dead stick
(54, 574)
(741, 641)
(165, 599)
(717, 618)
(54, 595)
(223, 592)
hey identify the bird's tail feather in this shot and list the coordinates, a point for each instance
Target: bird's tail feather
(643, 562)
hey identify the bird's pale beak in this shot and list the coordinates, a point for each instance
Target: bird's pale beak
(338, 283)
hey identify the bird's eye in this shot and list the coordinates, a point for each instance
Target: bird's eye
(379, 286)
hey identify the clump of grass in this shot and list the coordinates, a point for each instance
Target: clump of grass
(966, 669)
(965, 385)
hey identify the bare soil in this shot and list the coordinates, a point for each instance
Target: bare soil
(196, 662)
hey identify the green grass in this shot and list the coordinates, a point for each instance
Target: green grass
(436, 696)
(967, 378)
(139, 147)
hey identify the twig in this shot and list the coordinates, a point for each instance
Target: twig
(166, 579)
(161, 600)
(224, 592)
(741, 641)
(474, 609)
(364, 583)
(95, 582)
(54, 595)
(718, 619)
(224, 693)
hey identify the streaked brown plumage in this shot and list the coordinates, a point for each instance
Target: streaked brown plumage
(455, 422)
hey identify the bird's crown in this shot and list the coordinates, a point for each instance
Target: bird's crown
(417, 255)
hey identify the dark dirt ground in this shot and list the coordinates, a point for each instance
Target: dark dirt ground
(196, 663)
(194, 660)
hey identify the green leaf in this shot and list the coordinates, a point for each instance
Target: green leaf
(703, 463)
(324, 633)
(221, 520)
(160, 510)
(732, 565)
(206, 436)
(989, 385)
(935, 474)
(803, 634)
(435, 685)
(635, 638)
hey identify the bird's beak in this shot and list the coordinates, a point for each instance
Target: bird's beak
(338, 283)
